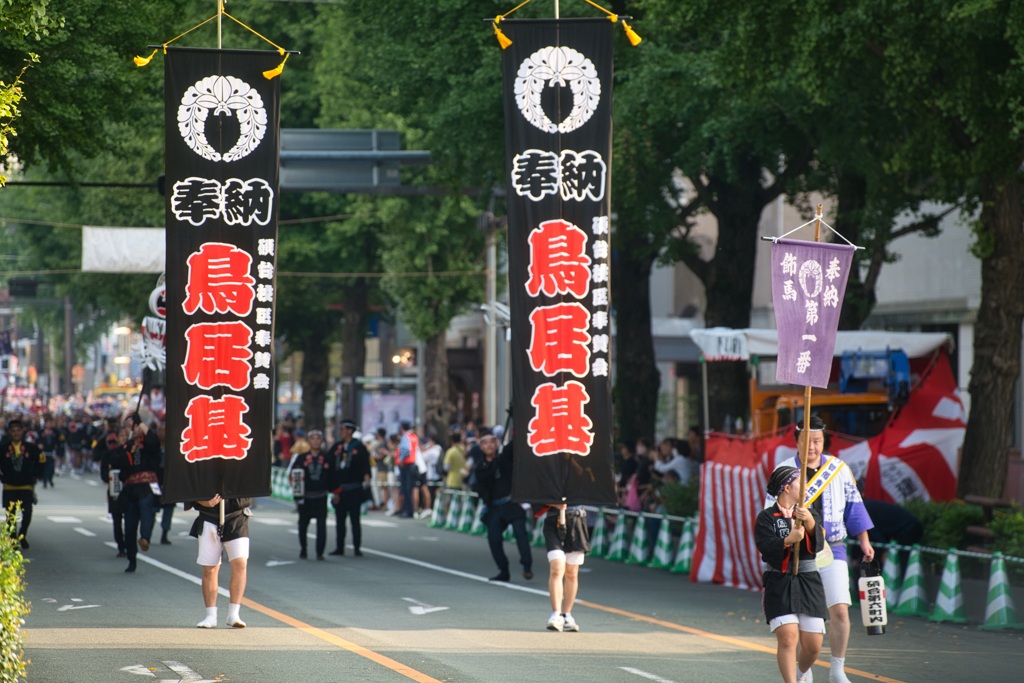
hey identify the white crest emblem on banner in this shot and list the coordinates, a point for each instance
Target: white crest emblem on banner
(222, 95)
(549, 66)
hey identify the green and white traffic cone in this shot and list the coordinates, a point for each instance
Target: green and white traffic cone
(684, 554)
(949, 603)
(537, 538)
(479, 528)
(454, 510)
(639, 548)
(913, 601)
(662, 558)
(436, 516)
(617, 550)
(999, 611)
(891, 576)
(508, 534)
(466, 518)
(599, 540)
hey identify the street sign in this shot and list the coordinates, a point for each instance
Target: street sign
(335, 160)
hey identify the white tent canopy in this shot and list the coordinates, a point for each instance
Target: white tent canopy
(123, 250)
(724, 343)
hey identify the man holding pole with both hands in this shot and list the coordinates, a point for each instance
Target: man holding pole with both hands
(222, 526)
(832, 491)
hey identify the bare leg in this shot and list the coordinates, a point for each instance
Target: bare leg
(210, 585)
(572, 582)
(555, 591)
(810, 648)
(787, 636)
(238, 574)
(839, 629)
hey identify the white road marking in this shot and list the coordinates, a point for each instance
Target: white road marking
(279, 563)
(378, 523)
(64, 520)
(68, 608)
(139, 670)
(420, 608)
(186, 674)
(645, 674)
(84, 531)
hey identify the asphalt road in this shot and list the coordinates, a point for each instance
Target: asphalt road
(417, 606)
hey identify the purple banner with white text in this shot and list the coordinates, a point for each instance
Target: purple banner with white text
(808, 284)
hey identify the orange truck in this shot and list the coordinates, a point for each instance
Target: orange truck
(873, 373)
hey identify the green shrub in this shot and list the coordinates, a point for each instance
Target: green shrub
(681, 500)
(13, 606)
(1009, 530)
(945, 524)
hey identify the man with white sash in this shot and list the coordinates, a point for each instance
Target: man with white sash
(832, 489)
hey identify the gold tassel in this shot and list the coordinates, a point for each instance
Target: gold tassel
(143, 61)
(503, 40)
(276, 71)
(634, 39)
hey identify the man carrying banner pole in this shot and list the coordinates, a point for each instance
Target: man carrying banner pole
(808, 283)
(222, 526)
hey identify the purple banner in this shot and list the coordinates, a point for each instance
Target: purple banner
(808, 284)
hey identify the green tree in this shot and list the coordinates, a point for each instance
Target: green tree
(20, 20)
(443, 95)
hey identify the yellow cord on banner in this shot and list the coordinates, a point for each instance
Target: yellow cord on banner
(143, 61)
(631, 35)
(269, 74)
(504, 40)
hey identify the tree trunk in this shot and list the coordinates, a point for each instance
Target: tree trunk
(353, 345)
(437, 410)
(315, 374)
(859, 299)
(353, 330)
(636, 375)
(729, 286)
(997, 340)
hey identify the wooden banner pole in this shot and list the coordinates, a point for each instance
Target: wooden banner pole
(806, 428)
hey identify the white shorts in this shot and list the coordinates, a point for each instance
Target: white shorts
(575, 557)
(836, 580)
(806, 623)
(211, 547)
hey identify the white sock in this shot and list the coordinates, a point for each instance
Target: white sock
(233, 618)
(567, 615)
(837, 663)
(211, 618)
(555, 614)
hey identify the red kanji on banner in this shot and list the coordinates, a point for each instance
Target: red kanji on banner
(216, 429)
(558, 260)
(560, 424)
(218, 354)
(219, 280)
(560, 339)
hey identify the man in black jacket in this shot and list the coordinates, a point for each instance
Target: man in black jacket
(21, 465)
(214, 540)
(351, 486)
(140, 463)
(494, 484)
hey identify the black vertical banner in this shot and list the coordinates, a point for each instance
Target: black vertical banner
(222, 166)
(558, 115)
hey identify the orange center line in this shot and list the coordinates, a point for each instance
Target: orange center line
(375, 657)
(738, 642)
